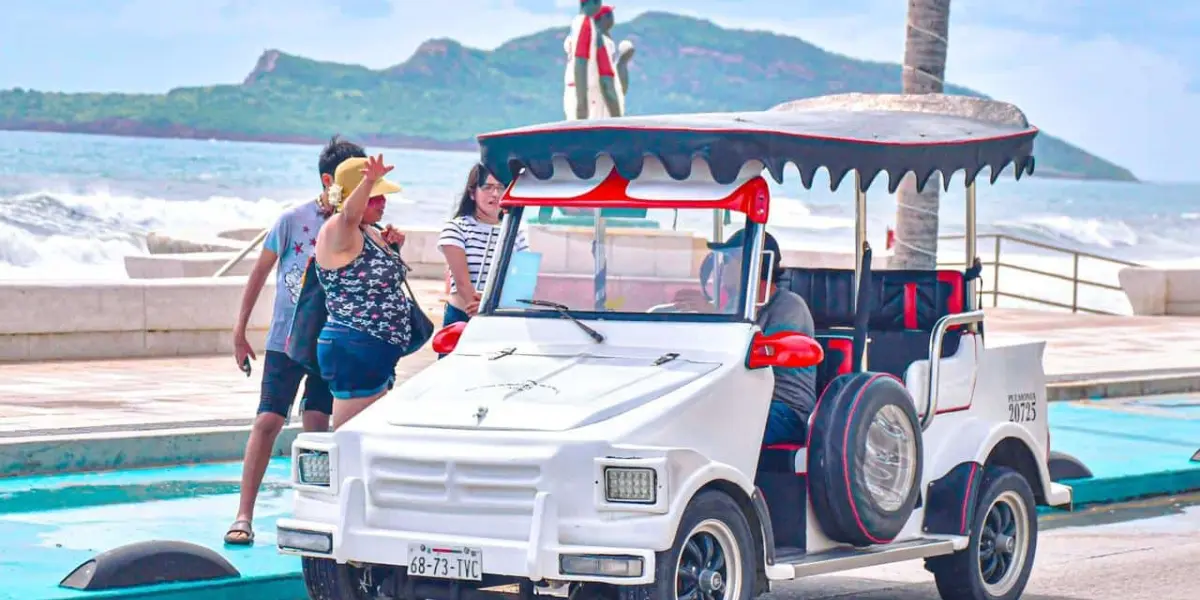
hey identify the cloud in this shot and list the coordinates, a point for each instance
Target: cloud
(1105, 88)
(1121, 80)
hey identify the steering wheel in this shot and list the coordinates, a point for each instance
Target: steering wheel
(669, 307)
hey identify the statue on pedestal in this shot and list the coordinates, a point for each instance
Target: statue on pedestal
(620, 54)
(597, 68)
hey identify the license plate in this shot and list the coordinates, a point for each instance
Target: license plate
(445, 562)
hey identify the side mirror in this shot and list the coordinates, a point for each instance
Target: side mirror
(446, 338)
(784, 349)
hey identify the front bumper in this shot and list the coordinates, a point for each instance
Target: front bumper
(536, 558)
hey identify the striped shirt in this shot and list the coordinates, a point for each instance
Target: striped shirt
(479, 241)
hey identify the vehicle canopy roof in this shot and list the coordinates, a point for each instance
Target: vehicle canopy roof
(828, 132)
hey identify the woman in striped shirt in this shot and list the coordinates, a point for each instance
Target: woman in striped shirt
(469, 242)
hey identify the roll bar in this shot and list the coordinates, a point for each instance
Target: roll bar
(935, 358)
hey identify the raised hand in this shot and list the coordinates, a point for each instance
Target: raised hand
(374, 170)
(391, 235)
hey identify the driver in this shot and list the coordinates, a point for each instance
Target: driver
(795, 392)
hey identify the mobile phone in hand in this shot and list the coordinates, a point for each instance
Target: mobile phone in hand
(246, 366)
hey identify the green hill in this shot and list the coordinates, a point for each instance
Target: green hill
(447, 93)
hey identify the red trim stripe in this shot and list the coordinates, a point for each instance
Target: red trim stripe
(583, 43)
(604, 66)
(846, 347)
(752, 198)
(910, 306)
(954, 303)
(968, 499)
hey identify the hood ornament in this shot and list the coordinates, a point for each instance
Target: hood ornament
(480, 414)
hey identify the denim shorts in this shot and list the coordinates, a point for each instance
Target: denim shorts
(784, 425)
(281, 381)
(355, 364)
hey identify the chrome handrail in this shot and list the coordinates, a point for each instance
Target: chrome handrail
(996, 264)
(258, 239)
(935, 358)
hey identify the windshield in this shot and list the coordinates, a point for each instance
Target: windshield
(639, 262)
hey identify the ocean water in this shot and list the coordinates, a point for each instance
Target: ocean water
(72, 206)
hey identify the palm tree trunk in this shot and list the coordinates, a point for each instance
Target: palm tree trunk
(923, 73)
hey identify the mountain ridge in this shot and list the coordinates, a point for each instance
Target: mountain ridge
(446, 92)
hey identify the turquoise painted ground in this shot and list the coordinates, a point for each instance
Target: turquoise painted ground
(49, 525)
(1134, 448)
(52, 524)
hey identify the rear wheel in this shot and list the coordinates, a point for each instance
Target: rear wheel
(996, 563)
(325, 579)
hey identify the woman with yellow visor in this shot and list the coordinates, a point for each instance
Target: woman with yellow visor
(369, 327)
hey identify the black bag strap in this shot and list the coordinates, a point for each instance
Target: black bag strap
(408, 288)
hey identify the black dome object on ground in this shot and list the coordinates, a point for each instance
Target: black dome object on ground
(1064, 466)
(858, 498)
(146, 563)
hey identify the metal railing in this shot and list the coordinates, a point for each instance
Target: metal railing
(935, 364)
(258, 239)
(1077, 281)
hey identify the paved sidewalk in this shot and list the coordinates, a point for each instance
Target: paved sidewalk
(1083, 346)
(53, 523)
(96, 396)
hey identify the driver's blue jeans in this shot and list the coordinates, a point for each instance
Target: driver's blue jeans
(784, 425)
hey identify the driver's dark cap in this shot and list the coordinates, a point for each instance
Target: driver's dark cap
(736, 241)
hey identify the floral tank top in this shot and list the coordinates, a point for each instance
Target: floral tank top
(367, 295)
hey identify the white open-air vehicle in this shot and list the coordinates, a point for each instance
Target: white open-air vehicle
(589, 435)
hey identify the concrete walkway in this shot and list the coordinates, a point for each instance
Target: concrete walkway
(79, 415)
(53, 523)
(96, 396)
(1083, 346)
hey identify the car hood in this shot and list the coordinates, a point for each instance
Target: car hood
(534, 392)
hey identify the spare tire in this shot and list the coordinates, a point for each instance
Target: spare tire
(864, 458)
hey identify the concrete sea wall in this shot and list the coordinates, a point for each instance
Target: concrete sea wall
(125, 319)
(172, 306)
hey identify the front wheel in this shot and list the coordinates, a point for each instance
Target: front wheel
(713, 557)
(996, 563)
(325, 579)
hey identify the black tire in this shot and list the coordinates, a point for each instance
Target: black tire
(593, 591)
(968, 574)
(325, 579)
(711, 516)
(858, 498)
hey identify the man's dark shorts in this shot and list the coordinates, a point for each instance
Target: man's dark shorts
(281, 381)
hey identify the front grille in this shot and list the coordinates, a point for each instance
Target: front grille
(453, 486)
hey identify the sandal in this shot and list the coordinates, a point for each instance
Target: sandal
(240, 533)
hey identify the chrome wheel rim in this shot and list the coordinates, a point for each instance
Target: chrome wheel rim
(710, 563)
(890, 460)
(1004, 543)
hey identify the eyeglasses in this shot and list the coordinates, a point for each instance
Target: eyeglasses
(494, 188)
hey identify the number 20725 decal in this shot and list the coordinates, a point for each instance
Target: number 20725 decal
(1022, 408)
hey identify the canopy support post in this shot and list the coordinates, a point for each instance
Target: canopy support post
(971, 252)
(860, 232)
(971, 240)
(600, 262)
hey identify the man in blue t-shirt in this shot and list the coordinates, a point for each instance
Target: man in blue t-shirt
(795, 394)
(286, 248)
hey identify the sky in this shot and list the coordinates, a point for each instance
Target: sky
(1120, 78)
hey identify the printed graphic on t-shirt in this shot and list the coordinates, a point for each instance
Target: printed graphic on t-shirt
(293, 238)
